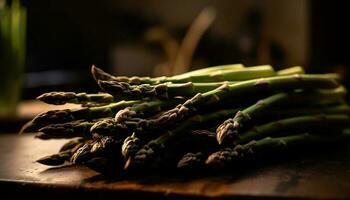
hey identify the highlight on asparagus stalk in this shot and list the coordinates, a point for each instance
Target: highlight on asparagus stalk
(210, 69)
(291, 71)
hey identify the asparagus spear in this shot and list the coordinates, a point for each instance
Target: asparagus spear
(67, 115)
(163, 90)
(59, 98)
(294, 124)
(230, 156)
(148, 152)
(230, 129)
(215, 76)
(234, 91)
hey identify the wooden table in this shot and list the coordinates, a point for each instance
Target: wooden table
(321, 176)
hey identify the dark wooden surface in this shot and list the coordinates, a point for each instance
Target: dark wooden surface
(316, 176)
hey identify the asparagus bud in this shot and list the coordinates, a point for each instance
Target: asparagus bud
(191, 161)
(130, 146)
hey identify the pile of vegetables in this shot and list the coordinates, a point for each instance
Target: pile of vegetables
(208, 118)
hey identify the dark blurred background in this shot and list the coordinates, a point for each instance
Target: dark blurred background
(64, 38)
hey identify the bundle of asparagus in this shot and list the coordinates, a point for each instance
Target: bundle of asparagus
(212, 117)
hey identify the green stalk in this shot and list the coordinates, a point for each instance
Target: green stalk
(300, 111)
(295, 124)
(59, 98)
(231, 156)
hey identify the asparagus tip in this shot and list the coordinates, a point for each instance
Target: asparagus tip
(51, 160)
(99, 74)
(215, 160)
(94, 70)
(190, 161)
(27, 127)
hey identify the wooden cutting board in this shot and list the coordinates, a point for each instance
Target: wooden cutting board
(321, 176)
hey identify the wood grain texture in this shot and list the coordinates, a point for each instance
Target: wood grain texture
(324, 175)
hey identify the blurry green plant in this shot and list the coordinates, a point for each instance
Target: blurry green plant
(12, 54)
